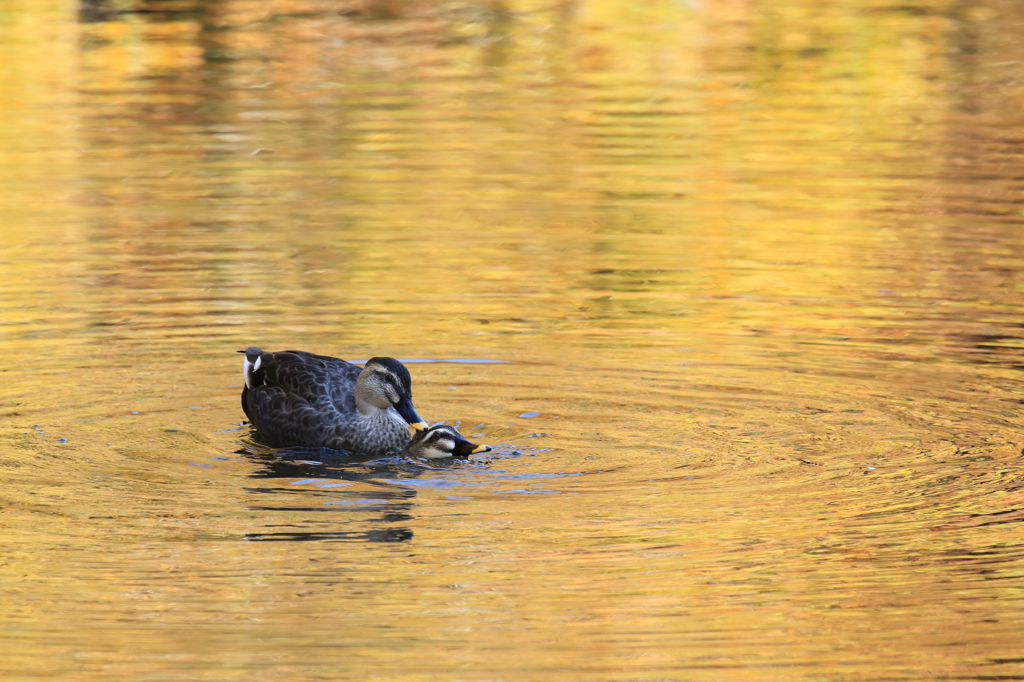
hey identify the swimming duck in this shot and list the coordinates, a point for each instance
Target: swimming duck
(298, 398)
(441, 440)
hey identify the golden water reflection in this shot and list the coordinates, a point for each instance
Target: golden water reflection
(753, 269)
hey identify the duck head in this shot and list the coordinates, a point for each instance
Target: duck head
(251, 364)
(384, 383)
(440, 441)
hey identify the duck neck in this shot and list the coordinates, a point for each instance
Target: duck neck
(368, 403)
(369, 411)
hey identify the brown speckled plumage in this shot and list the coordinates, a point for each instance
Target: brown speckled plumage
(294, 398)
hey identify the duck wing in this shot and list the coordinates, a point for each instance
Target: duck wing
(298, 398)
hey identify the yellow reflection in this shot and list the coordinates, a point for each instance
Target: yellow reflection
(724, 246)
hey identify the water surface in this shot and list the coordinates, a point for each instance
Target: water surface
(747, 278)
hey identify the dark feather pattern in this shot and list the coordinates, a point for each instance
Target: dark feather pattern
(294, 398)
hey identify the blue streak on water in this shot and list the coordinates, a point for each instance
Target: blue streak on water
(438, 483)
(520, 477)
(461, 361)
(474, 361)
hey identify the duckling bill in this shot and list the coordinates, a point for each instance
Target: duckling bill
(295, 398)
(440, 441)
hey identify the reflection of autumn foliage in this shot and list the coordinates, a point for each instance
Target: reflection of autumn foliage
(756, 265)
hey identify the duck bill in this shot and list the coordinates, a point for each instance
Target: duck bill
(408, 413)
(464, 448)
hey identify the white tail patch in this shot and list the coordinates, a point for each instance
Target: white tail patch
(248, 368)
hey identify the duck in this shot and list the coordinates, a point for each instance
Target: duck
(295, 398)
(441, 440)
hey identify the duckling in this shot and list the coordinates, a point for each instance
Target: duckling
(298, 398)
(441, 440)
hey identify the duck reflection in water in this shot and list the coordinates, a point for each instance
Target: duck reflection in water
(321, 466)
(367, 511)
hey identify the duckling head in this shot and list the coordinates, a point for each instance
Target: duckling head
(440, 441)
(384, 383)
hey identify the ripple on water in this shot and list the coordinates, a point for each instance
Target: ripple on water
(756, 271)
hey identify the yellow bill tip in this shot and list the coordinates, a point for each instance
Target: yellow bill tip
(419, 426)
(480, 448)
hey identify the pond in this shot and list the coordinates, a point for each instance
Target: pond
(747, 279)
